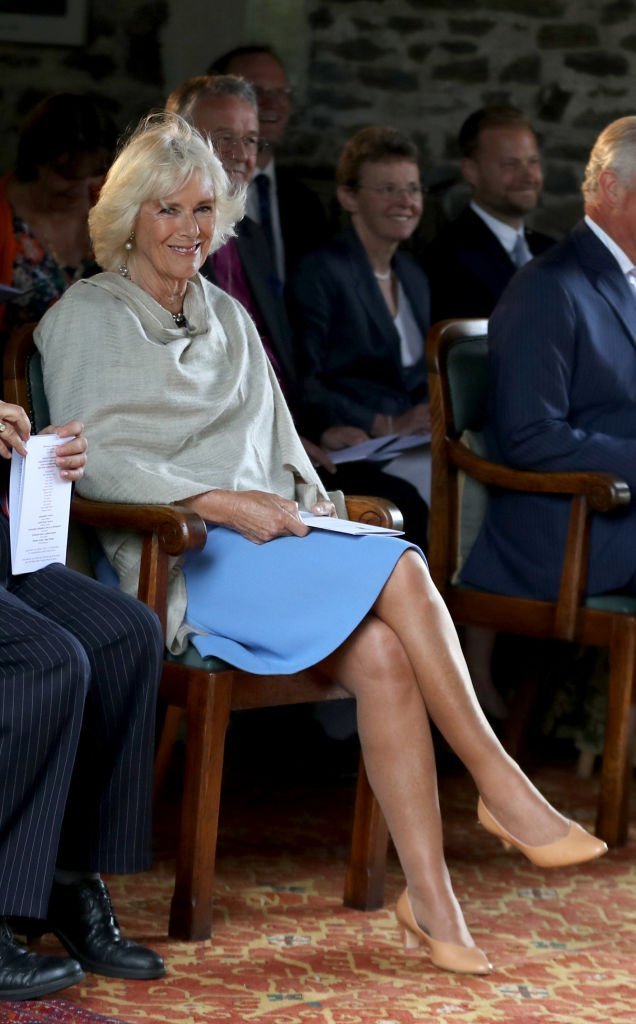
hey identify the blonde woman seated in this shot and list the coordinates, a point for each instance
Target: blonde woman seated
(179, 398)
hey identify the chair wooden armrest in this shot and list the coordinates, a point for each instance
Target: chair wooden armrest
(375, 511)
(166, 531)
(178, 528)
(589, 491)
(602, 491)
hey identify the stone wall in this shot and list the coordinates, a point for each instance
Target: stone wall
(422, 65)
(121, 60)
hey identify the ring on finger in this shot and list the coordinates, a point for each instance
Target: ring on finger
(3, 427)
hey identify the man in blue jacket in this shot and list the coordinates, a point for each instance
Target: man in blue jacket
(563, 391)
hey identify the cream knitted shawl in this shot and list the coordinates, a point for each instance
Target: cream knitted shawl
(169, 413)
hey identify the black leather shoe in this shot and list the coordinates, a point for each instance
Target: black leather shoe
(81, 915)
(26, 975)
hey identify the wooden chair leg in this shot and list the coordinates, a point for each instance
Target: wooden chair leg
(208, 711)
(531, 663)
(169, 731)
(364, 880)
(522, 713)
(613, 806)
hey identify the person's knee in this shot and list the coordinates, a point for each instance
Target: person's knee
(132, 621)
(71, 666)
(383, 662)
(411, 574)
(48, 676)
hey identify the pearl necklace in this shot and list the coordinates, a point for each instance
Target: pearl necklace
(180, 319)
(382, 277)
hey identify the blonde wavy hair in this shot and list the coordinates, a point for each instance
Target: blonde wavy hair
(158, 159)
(615, 150)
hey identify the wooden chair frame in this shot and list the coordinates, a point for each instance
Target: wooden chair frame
(570, 617)
(208, 695)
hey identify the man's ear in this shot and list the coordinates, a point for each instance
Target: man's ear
(347, 198)
(611, 189)
(469, 170)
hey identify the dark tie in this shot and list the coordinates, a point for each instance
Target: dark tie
(265, 209)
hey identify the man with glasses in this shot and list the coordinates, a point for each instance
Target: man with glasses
(291, 215)
(224, 108)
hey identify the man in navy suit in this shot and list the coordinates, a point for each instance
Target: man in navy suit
(292, 216)
(475, 256)
(563, 394)
(79, 670)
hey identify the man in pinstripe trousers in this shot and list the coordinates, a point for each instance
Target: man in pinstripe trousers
(79, 669)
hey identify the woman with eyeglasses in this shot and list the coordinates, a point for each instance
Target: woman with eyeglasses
(361, 307)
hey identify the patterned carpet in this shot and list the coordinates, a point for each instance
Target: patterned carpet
(285, 951)
(49, 1011)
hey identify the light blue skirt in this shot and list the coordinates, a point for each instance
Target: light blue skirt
(285, 605)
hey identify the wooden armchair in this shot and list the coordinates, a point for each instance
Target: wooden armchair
(458, 377)
(206, 689)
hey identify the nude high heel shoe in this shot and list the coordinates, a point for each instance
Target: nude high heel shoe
(447, 955)
(576, 847)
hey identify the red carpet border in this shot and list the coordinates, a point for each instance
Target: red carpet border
(285, 951)
(50, 1011)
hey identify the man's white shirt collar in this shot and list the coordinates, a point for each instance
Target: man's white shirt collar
(621, 257)
(505, 234)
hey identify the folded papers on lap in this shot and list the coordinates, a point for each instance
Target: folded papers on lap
(346, 526)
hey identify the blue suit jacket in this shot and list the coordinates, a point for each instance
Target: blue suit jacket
(563, 397)
(350, 347)
(468, 267)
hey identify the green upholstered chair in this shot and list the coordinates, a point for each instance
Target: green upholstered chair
(457, 353)
(206, 690)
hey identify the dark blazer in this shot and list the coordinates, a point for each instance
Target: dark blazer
(304, 223)
(468, 267)
(563, 397)
(350, 358)
(262, 279)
